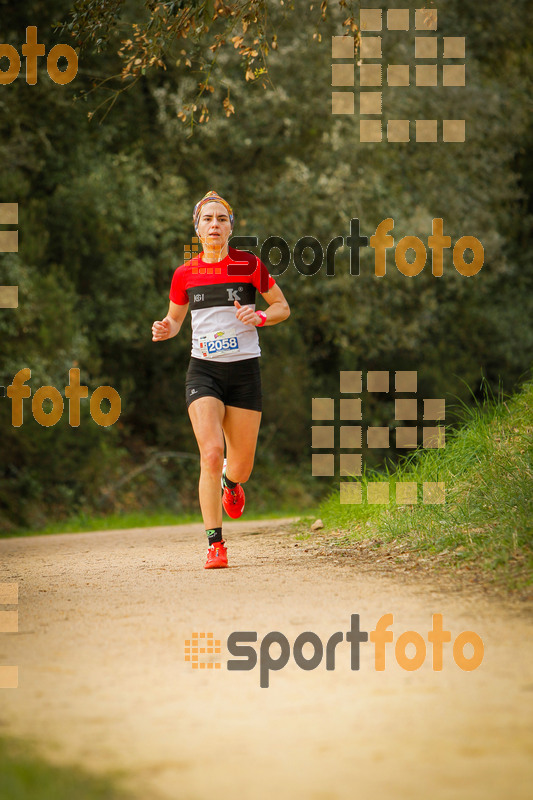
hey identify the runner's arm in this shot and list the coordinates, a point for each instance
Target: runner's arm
(171, 324)
(278, 309)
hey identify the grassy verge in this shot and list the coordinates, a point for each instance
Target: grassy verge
(277, 489)
(487, 469)
(81, 522)
(25, 776)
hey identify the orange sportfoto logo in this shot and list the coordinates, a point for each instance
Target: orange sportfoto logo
(203, 651)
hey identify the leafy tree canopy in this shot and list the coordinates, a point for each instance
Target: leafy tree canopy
(193, 35)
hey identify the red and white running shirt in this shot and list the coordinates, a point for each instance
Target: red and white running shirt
(210, 290)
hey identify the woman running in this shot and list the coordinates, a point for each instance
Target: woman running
(223, 385)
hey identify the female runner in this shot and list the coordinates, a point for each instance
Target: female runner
(223, 385)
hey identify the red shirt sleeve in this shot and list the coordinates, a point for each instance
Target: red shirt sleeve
(246, 264)
(177, 293)
(262, 279)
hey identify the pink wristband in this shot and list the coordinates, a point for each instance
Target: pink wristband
(263, 318)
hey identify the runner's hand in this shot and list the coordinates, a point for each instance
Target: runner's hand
(246, 314)
(160, 330)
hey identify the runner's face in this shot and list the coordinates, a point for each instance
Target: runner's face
(214, 226)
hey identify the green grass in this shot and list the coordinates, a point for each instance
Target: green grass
(26, 776)
(276, 490)
(81, 522)
(487, 467)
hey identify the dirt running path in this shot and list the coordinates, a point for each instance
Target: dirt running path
(103, 681)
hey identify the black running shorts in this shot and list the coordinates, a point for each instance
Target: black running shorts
(235, 383)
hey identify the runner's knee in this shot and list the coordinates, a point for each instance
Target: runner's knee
(212, 458)
(240, 471)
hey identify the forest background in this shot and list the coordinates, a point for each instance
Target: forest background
(105, 199)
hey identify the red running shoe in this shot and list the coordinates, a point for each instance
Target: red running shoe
(232, 499)
(217, 556)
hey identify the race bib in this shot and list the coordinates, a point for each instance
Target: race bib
(218, 342)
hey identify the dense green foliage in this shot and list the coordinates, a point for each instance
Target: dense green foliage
(105, 211)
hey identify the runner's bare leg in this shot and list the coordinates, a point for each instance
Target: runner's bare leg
(241, 427)
(207, 414)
